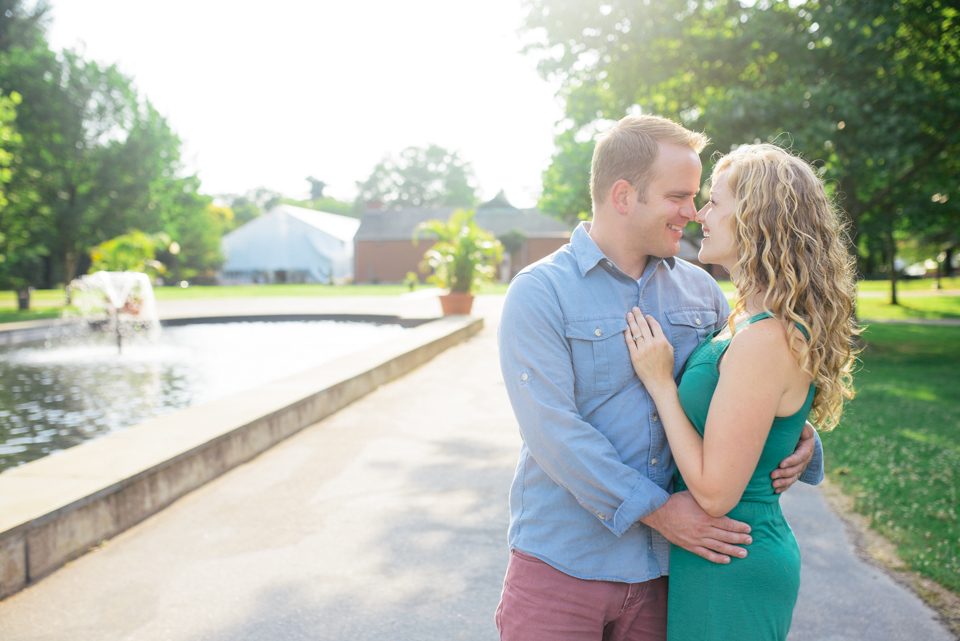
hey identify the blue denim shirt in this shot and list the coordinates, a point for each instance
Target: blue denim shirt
(595, 458)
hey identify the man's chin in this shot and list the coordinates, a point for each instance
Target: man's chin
(668, 252)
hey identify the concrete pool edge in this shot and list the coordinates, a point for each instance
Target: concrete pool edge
(57, 508)
(41, 331)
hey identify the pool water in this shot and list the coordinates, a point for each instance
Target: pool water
(52, 398)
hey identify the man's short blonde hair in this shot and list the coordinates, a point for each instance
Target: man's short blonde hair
(629, 152)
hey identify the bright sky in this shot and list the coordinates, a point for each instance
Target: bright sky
(266, 94)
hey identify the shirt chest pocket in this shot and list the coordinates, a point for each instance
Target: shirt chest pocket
(601, 362)
(688, 327)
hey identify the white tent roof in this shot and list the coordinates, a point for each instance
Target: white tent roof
(341, 227)
(289, 238)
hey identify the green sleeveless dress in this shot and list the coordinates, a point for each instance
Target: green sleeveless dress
(751, 598)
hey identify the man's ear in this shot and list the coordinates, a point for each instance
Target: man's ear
(620, 195)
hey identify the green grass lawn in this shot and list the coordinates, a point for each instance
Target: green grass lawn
(43, 298)
(915, 302)
(917, 285)
(897, 449)
(256, 291)
(12, 315)
(932, 307)
(252, 291)
(50, 303)
(55, 297)
(39, 298)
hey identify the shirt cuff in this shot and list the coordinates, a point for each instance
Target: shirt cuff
(646, 497)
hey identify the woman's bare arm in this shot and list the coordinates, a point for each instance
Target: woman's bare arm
(752, 382)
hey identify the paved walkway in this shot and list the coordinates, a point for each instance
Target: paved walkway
(385, 521)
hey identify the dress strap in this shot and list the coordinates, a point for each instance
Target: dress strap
(765, 315)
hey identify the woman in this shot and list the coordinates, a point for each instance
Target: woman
(746, 391)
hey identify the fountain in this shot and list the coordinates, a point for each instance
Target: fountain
(73, 385)
(121, 302)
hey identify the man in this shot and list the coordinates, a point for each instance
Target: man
(591, 516)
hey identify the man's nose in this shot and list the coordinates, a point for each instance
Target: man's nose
(688, 210)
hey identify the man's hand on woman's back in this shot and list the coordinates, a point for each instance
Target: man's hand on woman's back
(792, 467)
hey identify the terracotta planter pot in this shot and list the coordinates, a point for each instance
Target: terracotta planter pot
(456, 303)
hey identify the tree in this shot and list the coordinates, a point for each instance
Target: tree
(244, 208)
(135, 252)
(196, 225)
(566, 182)
(319, 202)
(869, 89)
(95, 161)
(21, 250)
(419, 177)
(316, 188)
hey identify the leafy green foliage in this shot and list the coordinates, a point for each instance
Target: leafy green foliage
(897, 450)
(327, 204)
(869, 90)
(513, 240)
(95, 162)
(248, 206)
(197, 226)
(566, 182)
(420, 177)
(135, 252)
(21, 253)
(464, 256)
(8, 138)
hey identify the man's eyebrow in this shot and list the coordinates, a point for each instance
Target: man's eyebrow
(678, 192)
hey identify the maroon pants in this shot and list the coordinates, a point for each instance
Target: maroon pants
(541, 603)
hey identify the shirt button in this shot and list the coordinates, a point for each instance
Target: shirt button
(698, 321)
(598, 332)
(602, 517)
(609, 264)
(653, 462)
(656, 417)
(524, 377)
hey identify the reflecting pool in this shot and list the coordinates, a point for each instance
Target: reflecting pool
(54, 397)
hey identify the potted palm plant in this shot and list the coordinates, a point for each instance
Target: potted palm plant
(463, 258)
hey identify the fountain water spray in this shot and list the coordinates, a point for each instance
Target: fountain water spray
(121, 301)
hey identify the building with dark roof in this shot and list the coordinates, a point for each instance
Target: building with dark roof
(384, 251)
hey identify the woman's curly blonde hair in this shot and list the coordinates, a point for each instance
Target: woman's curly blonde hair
(792, 243)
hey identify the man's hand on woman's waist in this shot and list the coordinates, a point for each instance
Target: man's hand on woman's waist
(683, 522)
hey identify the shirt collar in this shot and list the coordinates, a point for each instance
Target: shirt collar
(589, 255)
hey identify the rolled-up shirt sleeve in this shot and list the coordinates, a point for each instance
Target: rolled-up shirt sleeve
(537, 366)
(814, 472)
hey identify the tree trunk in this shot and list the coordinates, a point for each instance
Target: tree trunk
(892, 252)
(69, 266)
(23, 299)
(853, 209)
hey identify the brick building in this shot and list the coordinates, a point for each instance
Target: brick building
(384, 251)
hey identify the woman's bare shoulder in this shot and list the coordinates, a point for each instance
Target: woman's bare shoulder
(763, 340)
